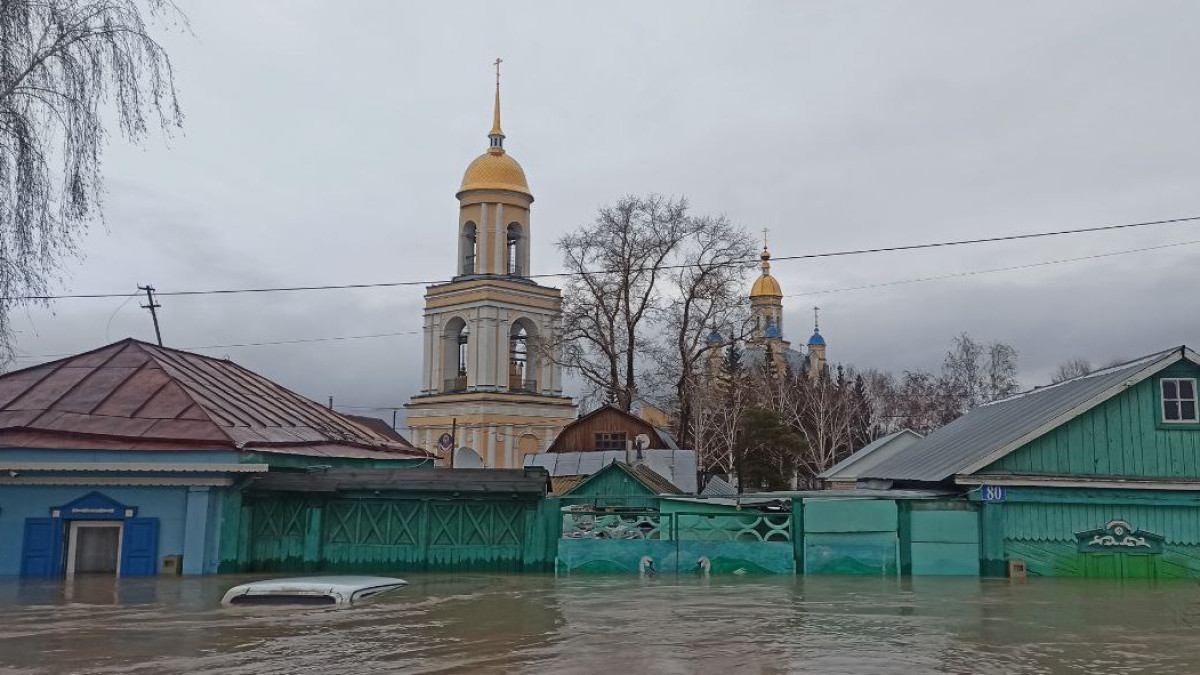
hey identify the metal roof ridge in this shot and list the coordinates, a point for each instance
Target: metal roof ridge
(172, 373)
(1147, 367)
(1109, 370)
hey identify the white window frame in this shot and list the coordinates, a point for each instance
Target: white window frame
(1162, 395)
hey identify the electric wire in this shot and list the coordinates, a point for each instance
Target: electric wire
(1010, 268)
(898, 282)
(271, 343)
(806, 256)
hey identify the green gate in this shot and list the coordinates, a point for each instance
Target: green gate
(277, 533)
(392, 535)
(943, 541)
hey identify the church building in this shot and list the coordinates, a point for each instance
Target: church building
(766, 339)
(490, 390)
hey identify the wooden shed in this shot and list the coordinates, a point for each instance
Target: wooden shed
(610, 428)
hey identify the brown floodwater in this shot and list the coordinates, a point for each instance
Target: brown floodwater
(611, 625)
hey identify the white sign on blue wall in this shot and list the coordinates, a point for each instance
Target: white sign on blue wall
(994, 493)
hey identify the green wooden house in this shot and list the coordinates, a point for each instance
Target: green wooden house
(1097, 476)
(621, 484)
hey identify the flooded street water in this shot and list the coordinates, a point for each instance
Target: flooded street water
(618, 626)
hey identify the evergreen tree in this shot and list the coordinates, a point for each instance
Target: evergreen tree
(767, 451)
(731, 365)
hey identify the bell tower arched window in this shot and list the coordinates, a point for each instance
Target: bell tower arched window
(456, 339)
(468, 248)
(515, 251)
(522, 361)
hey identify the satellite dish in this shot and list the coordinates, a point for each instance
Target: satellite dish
(641, 441)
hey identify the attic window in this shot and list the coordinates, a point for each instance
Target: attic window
(614, 440)
(1179, 400)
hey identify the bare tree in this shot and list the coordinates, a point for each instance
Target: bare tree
(972, 374)
(710, 287)
(61, 63)
(975, 373)
(1071, 370)
(823, 412)
(618, 262)
(718, 405)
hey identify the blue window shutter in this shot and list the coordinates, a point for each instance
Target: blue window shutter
(139, 547)
(41, 552)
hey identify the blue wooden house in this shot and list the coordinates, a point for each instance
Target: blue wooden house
(126, 460)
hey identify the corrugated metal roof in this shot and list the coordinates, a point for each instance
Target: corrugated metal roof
(379, 426)
(136, 395)
(653, 480)
(564, 484)
(492, 481)
(719, 487)
(877, 451)
(649, 478)
(990, 428)
(677, 466)
(133, 467)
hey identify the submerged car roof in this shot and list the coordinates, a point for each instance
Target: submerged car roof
(339, 582)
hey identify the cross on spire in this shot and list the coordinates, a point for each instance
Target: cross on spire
(765, 232)
(816, 319)
(496, 136)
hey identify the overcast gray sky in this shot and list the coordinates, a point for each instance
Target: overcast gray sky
(324, 143)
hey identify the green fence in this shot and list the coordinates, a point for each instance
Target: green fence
(392, 535)
(682, 542)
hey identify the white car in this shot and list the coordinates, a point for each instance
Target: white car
(311, 590)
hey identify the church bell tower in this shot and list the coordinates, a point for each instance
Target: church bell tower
(490, 378)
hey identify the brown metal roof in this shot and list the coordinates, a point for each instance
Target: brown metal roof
(135, 395)
(380, 426)
(560, 485)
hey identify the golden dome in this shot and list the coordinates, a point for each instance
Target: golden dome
(766, 286)
(495, 171)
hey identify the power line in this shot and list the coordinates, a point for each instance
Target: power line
(884, 284)
(808, 256)
(993, 270)
(306, 340)
(271, 343)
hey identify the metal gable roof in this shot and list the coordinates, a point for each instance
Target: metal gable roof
(135, 395)
(677, 466)
(644, 475)
(876, 452)
(985, 433)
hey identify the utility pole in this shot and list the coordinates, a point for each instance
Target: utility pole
(153, 307)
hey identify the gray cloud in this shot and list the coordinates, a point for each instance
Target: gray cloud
(324, 144)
